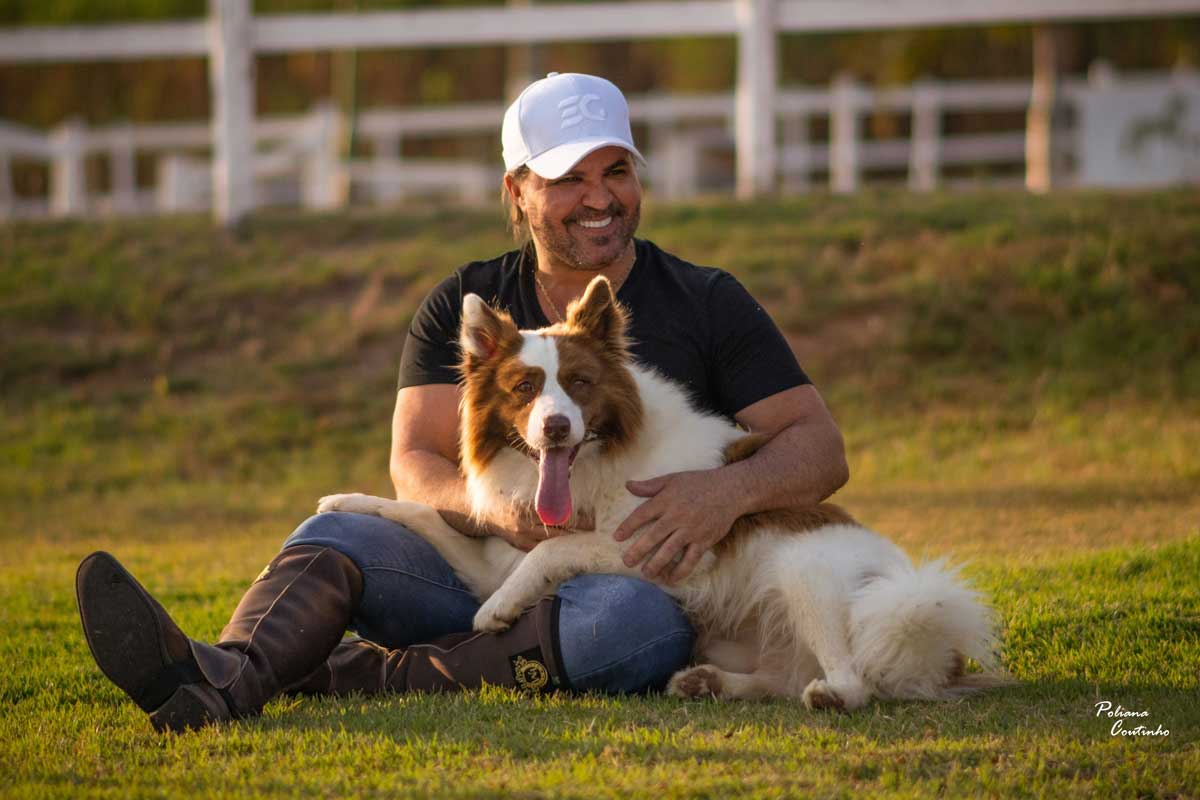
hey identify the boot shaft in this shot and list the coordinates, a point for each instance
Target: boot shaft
(286, 625)
(524, 657)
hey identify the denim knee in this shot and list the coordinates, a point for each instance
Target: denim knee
(372, 542)
(410, 594)
(317, 529)
(620, 634)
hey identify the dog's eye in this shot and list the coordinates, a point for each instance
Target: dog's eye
(581, 382)
(524, 387)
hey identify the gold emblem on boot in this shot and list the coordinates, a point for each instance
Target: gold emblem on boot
(531, 675)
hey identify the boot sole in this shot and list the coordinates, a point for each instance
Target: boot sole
(122, 628)
(191, 707)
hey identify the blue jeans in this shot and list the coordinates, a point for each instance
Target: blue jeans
(616, 634)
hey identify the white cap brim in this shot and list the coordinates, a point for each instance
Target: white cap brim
(558, 161)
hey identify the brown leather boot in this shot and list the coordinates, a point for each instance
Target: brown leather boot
(285, 626)
(525, 657)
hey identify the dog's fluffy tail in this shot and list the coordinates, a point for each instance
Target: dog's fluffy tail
(913, 629)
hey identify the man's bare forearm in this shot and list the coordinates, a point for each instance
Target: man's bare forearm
(433, 479)
(801, 465)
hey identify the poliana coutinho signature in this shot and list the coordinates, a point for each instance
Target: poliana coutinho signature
(1124, 719)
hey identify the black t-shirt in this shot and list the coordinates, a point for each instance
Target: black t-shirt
(695, 325)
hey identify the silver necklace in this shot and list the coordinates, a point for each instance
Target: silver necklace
(550, 302)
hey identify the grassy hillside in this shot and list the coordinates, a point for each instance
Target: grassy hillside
(1038, 344)
(986, 285)
(1018, 380)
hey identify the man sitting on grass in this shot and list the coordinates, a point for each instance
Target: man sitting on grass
(573, 194)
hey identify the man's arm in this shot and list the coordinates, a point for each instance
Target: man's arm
(424, 458)
(424, 464)
(688, 512)
(805, 460)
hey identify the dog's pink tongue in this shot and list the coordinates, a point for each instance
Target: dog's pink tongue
(554, 486)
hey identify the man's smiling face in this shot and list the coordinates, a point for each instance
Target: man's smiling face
(585, 219)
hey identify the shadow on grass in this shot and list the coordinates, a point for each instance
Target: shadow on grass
(665, 728)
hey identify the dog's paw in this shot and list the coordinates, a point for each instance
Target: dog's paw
(493, 617)
(355, 503)
(821, 694)
(696, 682)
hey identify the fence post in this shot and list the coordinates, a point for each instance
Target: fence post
(122, 170)
(476, 188)
(169, 195)
(1039, 121)
(8, 206)
(925, 154)
(181, 184)
(523, 62)
(68, 189)
(658, 137)
(754, 126)
(843, 135)
(798, 153)
(231, 75)
(386, 150)
(682, 153)
(323, 183)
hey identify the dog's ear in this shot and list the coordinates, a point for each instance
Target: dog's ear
(599, 315)
(484, 329)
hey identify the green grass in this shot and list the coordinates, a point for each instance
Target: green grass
(1018, 380)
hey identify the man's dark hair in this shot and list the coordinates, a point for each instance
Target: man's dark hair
(515, 216)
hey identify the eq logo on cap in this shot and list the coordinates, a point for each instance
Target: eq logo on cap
(575, 109)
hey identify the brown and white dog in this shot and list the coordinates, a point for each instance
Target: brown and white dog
(798, 604)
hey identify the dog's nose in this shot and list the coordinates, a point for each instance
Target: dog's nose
(556, 428)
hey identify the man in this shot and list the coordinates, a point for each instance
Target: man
(572, 181)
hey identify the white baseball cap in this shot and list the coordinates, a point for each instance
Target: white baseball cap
(560, 119)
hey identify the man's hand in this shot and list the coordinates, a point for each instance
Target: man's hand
(523, 530)
(687, 514)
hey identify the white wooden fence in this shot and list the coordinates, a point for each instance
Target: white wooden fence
(297, 161)
(232, 36)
